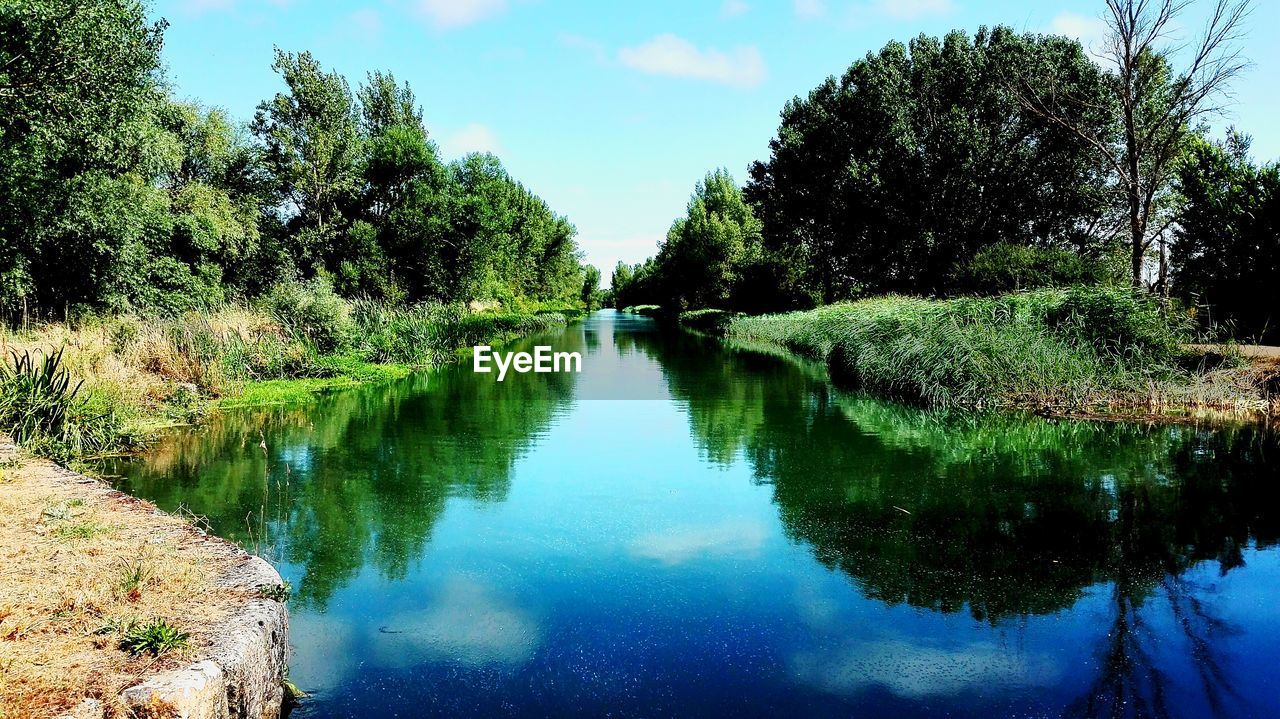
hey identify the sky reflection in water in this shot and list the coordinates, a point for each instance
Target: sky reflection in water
(697, 530)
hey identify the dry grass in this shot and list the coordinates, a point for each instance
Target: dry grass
(91, 355)
(142, 362)
(77, 560)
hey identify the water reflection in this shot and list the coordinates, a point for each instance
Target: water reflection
(754, 542)
(999, 516)
(358, 478)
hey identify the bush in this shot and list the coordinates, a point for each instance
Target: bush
(713, 321)
(1004, 267)
(155, 637)
(1120, 320)
(430, 333)
(312, 312)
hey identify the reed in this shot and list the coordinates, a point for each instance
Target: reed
(1062, 346)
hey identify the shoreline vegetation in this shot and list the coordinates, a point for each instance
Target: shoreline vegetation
(1083, 351)
(100, 386)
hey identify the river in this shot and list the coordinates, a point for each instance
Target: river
(692, 529)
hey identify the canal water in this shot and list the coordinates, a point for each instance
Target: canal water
(693, 529)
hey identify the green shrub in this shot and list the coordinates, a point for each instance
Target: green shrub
(312, 312)
(155, 637)
(1004, 267)
(1047, 345)
(714, 321)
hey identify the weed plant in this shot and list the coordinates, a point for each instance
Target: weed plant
(156, 637)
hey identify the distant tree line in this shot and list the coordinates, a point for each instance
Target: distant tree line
(115, 195)
(989, 163)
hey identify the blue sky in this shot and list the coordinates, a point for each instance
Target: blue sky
(611, 111)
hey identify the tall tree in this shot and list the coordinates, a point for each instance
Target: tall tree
(887, 178)
(77, 81)
(384, 103)
(312, 148)
(590, 286)
(1158, 106)
(706, 249)
(1226, 249)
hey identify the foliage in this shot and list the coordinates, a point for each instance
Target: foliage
(1005, 267)
(156, 637)
(1048, 345)
(704, 252)
(713, 321)
(311, 312)
(42, 410)
(277, 592)
(1226, 249)
(115, 196)
(919, 156)
(1158, 107)
(591, 292)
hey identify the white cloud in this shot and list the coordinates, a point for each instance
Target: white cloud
(1090, 31)
(471, 138)
(468, 623)
(731, 8)
(919, 672)
(810, 8)
(446, 14)
(668, 54)
(579, 42)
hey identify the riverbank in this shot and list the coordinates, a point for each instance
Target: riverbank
(1084, 351)
(109, 607)
(103, 385)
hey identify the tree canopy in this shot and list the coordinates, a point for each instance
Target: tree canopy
(114, 195)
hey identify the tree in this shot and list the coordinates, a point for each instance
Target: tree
(705, 251)
(311, 146)
(888, 177)
(591, 287)
(384, 104)
(77, 80)
(1157, 107)
(1226, 247)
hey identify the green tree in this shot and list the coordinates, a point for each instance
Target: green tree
(919, 155)
(591, 287)
(1226, 248)
(384, 104)
(77, 80)
(705, 251)
(1155, 106)
(311, 147)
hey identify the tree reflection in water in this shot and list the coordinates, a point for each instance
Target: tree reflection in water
(1000, 516)
(359, 478)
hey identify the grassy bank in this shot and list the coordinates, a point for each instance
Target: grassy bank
(96, 590)
(100, 385)
(1082, 349)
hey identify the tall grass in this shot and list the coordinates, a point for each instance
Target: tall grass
(41, 408)
(1073, 346)
(79, 390)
